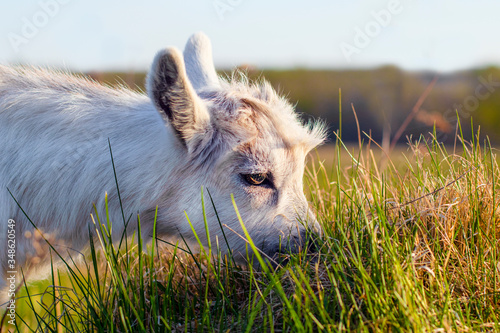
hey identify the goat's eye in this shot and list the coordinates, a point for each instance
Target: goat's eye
(256, 178)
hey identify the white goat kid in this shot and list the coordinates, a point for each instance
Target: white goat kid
(192, 130)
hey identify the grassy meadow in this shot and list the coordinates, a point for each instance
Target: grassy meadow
(409, 239)
(410, 244)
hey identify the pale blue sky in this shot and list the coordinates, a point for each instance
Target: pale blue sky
(98, 34)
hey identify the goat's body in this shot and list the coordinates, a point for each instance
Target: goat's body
(192, 130)
(55, 158)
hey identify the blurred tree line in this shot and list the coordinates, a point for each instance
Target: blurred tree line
(382, 98)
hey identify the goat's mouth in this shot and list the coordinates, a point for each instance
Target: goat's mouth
(307, 247)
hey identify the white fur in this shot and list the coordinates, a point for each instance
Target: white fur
(55, 159)
(199, 62)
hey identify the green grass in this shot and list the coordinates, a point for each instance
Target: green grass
(407, 246)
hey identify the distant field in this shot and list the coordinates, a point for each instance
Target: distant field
(382, 97)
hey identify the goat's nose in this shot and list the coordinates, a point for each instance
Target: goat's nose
(304, 242)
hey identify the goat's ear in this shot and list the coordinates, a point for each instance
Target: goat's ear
(199, 62)
(171, 92)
